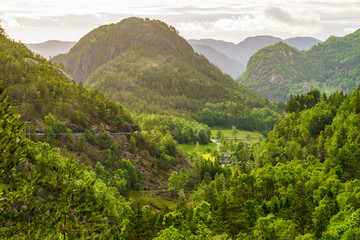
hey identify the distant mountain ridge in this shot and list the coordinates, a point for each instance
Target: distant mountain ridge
(279, 71)
(226, 64)
(242, 51)
(50, 48)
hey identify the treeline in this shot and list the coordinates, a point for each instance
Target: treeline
(240, 115)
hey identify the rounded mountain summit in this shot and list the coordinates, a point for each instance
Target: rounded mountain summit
(148, 67)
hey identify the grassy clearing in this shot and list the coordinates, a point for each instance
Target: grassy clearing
(323, 88)
(204, 150)
(151, 199)
(251, 136)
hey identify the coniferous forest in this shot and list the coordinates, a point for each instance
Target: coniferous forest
(97, 154)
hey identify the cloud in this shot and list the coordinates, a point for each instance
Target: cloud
(349, 30)
(194, 27)
(9, 21)
(296, 22)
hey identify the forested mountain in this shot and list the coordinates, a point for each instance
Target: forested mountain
(84, 124)
(242, 51)
(38, 87)
(302, 182)
(278, 71)
(50, 48)
(328, 66)
(148, 67)
(226, 64)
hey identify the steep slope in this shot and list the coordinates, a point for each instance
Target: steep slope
(84, 124)
(226, 64)
(328, 66)
(109, 41)
(148, 67)
(50, 48)
(278, 71)
(38, 87)
(336, 62)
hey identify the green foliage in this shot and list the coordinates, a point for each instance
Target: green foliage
(45, 195)
(279, 71)
(38, 87)
(149, 68)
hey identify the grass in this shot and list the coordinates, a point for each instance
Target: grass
(253, 136)
(151, 199)
(204, 150)
(323, 88)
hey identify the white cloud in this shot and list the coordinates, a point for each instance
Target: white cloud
(224, 19)
(294, 22)
(194, 27)
(349, 30)
(8, 21)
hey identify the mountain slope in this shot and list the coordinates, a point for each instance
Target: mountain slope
(148, 67)
(328, 66)
(50, 48)
(84, 124)
(38, 87)
(226, 64)
(275, 72)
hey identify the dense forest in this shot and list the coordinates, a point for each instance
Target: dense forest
(61, 178)
(149, 68)
(279, 71)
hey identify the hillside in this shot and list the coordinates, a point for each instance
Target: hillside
(226, 64)
(148, 67)
(83, 123)
(50, 48)
(38, 87)
(278, 71)
(336, 62)
(328, 66)
(302, 182)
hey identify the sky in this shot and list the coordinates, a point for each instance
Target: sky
(33, 21)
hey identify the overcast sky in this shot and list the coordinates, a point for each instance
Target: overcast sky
(33, 21)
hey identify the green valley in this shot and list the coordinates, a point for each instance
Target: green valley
(152, 141)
